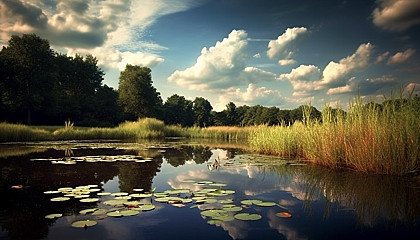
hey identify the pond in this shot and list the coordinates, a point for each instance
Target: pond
(180, 190)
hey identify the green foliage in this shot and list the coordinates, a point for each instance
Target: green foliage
(202, 109)
(26, 83)
(136, 94)
(178, 110)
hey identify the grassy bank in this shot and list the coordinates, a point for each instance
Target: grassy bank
(368, 138)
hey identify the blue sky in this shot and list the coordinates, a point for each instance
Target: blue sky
(266, 52)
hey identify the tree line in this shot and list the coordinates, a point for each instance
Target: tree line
(44, 87)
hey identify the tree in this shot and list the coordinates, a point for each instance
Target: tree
(27, 84)
(79, 80)
(202, 109)
(231, 114)
(136, 94)
(178, 110)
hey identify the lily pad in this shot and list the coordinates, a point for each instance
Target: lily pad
(213, 213)
(247, 216)
(115, 202)
(118, 194)
(266, 204)
(216, 222)
(59, 199)
(84, 223)
(114, 214)
(129, 212)
(232, 208)
(89, 210)
(100, 211)
(54, 215)
(250, 201)
(147, 207)
(103, 194)
(51, 192)
(89, 200)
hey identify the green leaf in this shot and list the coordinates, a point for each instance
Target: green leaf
(84, 223)
(247, 217)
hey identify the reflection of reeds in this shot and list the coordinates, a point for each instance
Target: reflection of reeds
(373, 197)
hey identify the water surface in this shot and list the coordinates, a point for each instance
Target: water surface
(323, 204)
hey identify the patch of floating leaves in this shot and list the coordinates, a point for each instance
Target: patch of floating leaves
(94, 159)
(216, 204)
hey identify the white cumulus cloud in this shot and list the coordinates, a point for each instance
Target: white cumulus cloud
(222, 66)
(334, 71)
(401, 57)
(253, 95)
(396, 15)
(279, 48)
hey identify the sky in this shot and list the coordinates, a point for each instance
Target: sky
(268, 52)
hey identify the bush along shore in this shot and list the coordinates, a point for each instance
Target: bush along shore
(370, 138)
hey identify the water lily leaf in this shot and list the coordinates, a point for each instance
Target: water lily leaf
(118, 194)
(214, 213)
(103, 194)
(115, 202)
(77, 196)
(250, 201)
(89, 200)
(54, 215)
(129, 212)
(51, 192)
(247, 216)
(138, 189)
(232, 208)
(224, 218)
(216, 222)
(89, 210)
(177, 191)
(218, 184)
(100, 211)
(210, 200)
(147, 207)
(225, 201)
(284, 215)
(160, 194)
(59, 199)
(114, 214)
(141, 195)
(266, 204)
(123, 198)
(84, 223)
(95, 190)
(65, 189)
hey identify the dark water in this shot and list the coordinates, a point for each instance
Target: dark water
(323, 204)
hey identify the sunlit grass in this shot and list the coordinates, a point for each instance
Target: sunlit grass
(367, 139)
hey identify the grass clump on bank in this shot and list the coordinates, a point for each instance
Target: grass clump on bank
(369, 138)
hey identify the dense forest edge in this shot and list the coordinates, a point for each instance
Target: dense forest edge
(42, 87)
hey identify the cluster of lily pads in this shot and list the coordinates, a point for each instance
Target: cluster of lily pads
(215, 203)
(117, 204)
(94, 159)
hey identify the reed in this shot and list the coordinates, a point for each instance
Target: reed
(219, 133)
(18, 132)
(369, 138)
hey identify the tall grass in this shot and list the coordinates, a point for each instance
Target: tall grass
(18, 132)
(368, 138)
